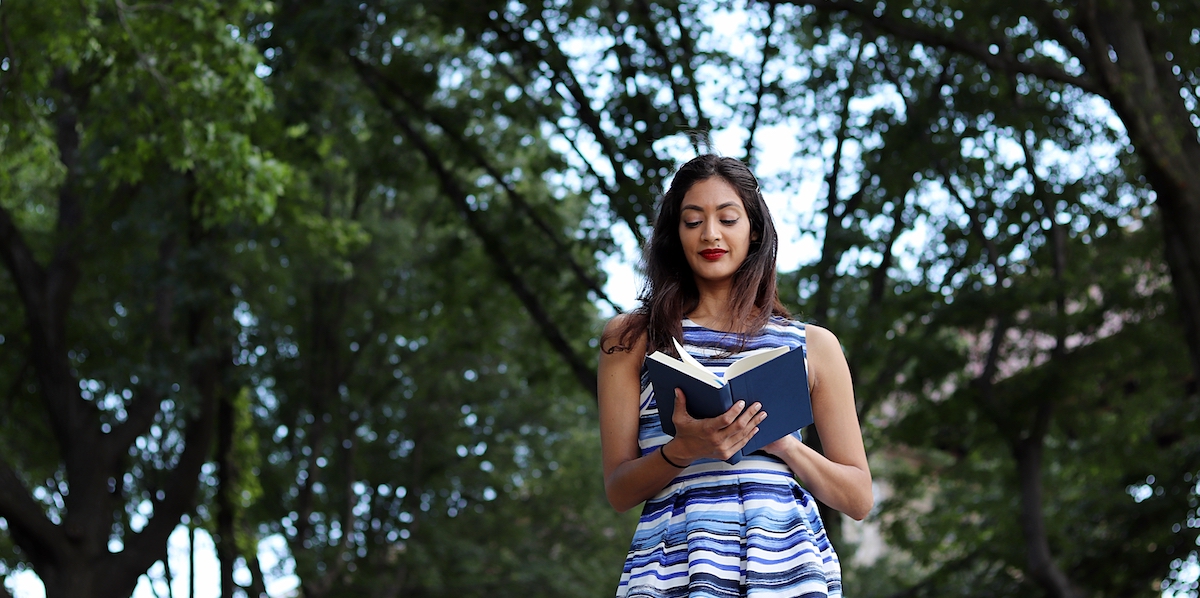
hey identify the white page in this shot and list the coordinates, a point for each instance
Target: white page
(700, 373)
(687, 357)
(750, 362)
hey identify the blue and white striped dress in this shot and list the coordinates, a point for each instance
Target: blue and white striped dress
(720, 530)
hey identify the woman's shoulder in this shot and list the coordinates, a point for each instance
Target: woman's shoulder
(820, 339)
(619, 321)
(622, 324)
(623, 332)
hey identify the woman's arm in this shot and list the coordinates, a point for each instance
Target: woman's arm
(630, 478)
(841, 477)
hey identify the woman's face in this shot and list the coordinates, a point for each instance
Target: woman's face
(714, 230)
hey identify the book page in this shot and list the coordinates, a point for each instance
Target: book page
(698, 372)
(750, 362)
(687, 357)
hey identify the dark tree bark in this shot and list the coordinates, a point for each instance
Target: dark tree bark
(227, 477)
(1146, 96)
(72, 558)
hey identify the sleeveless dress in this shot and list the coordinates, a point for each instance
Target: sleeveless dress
(720, 530)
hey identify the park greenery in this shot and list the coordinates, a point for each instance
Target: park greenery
(331, 272)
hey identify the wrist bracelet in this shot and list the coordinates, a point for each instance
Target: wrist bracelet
(669, 462)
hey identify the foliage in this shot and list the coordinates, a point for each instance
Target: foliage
(365, 238)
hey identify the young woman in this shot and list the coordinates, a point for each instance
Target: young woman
(709, 528)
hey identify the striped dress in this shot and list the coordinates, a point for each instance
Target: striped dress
(721, 530)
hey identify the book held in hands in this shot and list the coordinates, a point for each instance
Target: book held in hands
(776, 378)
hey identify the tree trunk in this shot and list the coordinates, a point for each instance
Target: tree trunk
(226, 540)
(1146, 96)
(73, 558)
(258, 585)
(1042, 568)
(191, 559)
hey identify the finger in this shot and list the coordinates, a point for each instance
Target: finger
(746, 433)
(744, 417)
(725, 419)
(735, 442)
(750, 434)
(680, 415)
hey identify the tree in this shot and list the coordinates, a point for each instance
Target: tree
(126, 136)
(423, 360)
(1138, 58)
(345, 257)
(1032, 257)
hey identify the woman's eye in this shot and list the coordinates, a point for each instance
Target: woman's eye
(692, 224)
(730, 222)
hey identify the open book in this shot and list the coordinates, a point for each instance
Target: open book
(776, 378)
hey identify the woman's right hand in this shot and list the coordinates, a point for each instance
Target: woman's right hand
(715, 437)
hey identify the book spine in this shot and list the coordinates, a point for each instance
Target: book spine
(729, 396)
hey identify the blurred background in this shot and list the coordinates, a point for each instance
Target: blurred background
(302, 298)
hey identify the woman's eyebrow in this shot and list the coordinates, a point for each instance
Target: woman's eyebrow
(728, 204)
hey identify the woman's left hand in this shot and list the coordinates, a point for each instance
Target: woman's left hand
(781, 447)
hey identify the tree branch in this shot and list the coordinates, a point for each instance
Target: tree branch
(831, 251)
(144, 547)
(41, 540)
(930, 37)
(326, 582)
(1062, 33)
(605, 188)
(1028, 453)
(493, 248)
(762, 86)
(655, 41)
(29, 275)
(1058, 245)
(518, 199)
(688, 66)
(140, 415)
(208, 376)
(626, 196)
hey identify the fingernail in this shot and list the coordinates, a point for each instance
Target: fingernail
(740, 404)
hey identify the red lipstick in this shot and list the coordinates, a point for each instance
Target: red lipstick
(713, 255)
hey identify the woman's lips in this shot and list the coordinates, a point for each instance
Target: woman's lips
(713, 255)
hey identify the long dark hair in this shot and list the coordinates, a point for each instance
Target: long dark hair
(670, 292)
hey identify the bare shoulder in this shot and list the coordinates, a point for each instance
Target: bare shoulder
(615, 340)
(618, 323)
(821, 339)
(826, 360)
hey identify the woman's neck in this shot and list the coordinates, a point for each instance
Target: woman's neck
(714, 309)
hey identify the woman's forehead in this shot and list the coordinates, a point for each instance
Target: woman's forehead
(712, 193)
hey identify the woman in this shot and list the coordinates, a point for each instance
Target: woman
(709, 528)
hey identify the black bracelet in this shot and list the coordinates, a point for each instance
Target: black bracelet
(669, 462)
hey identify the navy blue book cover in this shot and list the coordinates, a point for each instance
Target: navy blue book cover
(780, 385)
